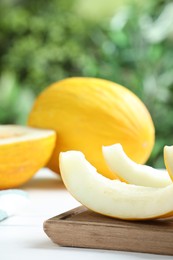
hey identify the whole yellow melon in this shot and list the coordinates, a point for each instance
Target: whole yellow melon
(88, 113)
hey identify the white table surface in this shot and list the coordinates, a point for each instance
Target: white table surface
(22, 236)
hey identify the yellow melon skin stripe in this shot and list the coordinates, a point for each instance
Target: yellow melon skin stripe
(168, 159)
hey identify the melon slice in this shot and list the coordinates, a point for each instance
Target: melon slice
(23, 151)
(131, 172)
(112, 197)
(168, 159)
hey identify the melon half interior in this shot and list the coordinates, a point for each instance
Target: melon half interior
(23, 151)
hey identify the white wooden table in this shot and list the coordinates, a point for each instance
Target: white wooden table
(22, 236)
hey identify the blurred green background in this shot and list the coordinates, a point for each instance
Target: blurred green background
(128, 42)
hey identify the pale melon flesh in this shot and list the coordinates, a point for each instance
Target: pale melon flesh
(131, 172)
(112, 197)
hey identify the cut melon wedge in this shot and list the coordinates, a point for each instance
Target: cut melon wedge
(112, 197)
(131, 172)
(168, 159)
(23, 151)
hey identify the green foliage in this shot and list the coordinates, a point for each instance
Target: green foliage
(44, 41)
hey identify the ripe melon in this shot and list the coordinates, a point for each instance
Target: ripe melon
(23, 151)
(131, 172)
(87, 113)
(112, 197)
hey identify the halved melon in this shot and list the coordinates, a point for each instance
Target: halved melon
(129, 171)
(112, 197)
(168, 159)
(23, 151)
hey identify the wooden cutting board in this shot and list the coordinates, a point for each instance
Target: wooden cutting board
(81, 227)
